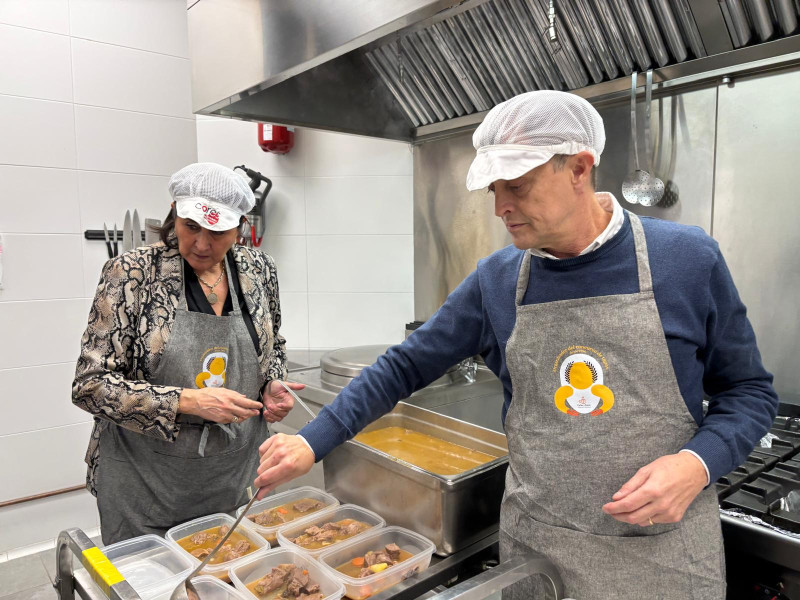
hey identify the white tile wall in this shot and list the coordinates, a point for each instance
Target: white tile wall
(155, 25)
(38, 398)
(334, 155)
(42, 520)
(41, 332)
(351, 205)
(42, 267)
(289, 252)
(129, 142)
(54, 192)
(360, 263)
(47, 15)
(36, 132)
(35, 64)
(117, 77)
(340, 227)
(130, 86)
(230, 142)
(294, 319)
(53, 460)
(337, 320)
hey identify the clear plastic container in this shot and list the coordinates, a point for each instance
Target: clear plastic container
(345, 511)
(271, 533)
(255, 568)
(210, 588)
(150, 564)
(359, 588)
(220, 569)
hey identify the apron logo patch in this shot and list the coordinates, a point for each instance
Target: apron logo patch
(215, 362)
(582, 391)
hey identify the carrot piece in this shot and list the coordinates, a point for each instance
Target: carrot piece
(358, 561)
(305, 571)
(283, 511)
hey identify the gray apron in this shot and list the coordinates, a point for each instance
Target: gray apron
(146, 485)
(595, 398)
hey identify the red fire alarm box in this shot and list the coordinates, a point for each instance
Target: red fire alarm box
(275, 138)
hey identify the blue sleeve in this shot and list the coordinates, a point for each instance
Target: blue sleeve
(457, 331)
(743, 403)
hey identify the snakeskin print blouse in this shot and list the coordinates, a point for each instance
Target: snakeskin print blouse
(129, 327)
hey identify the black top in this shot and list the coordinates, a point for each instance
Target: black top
(196, 300)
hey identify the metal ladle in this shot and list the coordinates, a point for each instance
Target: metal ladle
(185, 590)
(640, 187)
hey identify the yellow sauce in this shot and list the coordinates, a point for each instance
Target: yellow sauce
(285, 513)
(425, 451)
(211, 541)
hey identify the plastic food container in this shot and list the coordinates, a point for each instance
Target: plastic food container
(219, 569)
(359, 588)
(345, 511)
(150, 564)
(255, 568)
(271, 533)
(210, 588)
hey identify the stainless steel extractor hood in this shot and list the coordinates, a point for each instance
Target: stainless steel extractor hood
(414, 69)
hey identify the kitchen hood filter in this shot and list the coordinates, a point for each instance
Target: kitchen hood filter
(647, 24)
(630, 32)
(736, 20)
(597, 39)
(761, 19)
(581, 39)
(688, 27)
(670, 28)
(608, 23)
(786, 15)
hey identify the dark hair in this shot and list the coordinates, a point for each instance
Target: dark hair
(166, 232)
(559, 160)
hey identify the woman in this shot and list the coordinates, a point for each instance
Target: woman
(179, 364)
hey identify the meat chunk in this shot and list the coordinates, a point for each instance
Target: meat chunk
(298, 583)
(201, 537)
(223, 530)
(236, 550)
(370, 558)
(313, 530)
(331, 526)
(268, 518)
(274, 579)
(393, 550)
(201, 553)
(352, 529)
(306, 504)
(326, 535)
(365, 572)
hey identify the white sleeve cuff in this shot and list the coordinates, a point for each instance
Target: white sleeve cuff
(696, 455)
(305, 441)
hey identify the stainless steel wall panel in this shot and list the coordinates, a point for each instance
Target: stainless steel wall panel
(755, 212)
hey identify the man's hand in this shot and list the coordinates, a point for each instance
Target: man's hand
(220, 405)
(283, 457)
(659, 492)
(277, 401)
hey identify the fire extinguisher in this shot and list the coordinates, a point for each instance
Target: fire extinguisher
(275, 138)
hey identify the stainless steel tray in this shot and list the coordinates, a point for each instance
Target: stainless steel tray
(451, 510)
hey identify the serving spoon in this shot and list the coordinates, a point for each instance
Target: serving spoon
(185, 590)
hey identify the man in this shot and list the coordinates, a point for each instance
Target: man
(606, 331)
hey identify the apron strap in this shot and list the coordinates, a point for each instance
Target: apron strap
(231, 288)
(524, 276)
(642, 260)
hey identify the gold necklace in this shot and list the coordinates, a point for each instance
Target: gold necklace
(212, 297)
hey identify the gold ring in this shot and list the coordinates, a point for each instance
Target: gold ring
(236, 420)
(651, 520)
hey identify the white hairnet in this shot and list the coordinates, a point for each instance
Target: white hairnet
(212, 195)
(528, 130)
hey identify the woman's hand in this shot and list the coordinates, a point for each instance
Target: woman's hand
(277, 401)
(283, 457)
(219, 405)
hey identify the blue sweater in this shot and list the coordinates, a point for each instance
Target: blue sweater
(710, 340)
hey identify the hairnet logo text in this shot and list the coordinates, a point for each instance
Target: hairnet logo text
(209, 214)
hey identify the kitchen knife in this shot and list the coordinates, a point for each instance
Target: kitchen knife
(127, 235)
(150, 234)
(137, 230)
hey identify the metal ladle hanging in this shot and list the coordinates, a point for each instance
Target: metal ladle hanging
(640, 187)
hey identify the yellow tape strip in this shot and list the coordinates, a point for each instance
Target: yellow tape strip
(103, 572)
